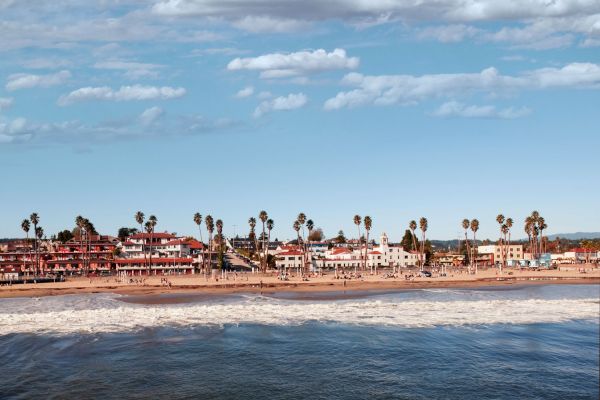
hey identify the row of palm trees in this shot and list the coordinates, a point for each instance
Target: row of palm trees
(38, 234)
(85, 230)
(214, 241)
(149, 227)
(535, 225)
(471, 250)
(368, 223)
(504, 241)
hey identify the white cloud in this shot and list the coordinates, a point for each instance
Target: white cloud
(125, 93)
(245, 92)
(409, 89)
(151, 115)
(133, 70)
(27, 81)
(283, 103)
(5, 102)
(16, 130)
(456, 109)
(280, 65)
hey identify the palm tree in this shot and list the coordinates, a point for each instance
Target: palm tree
(148, 227)
(368, 223)
(263, 216)
(152, 220)
(219, 224)
(139, 218)
(210, 227)
(528, 227)
(475, 228)
(500, 220)
(252, 235)
(465, 224)
(297, 229)
(412, 225)
(423, 226)
(357, 221)
(25, 225)
(89, 231)
(310, 225)
(270, 225)
(198, 221)
(302, 220)
(35, 220)
(542, 226)
(39, 234)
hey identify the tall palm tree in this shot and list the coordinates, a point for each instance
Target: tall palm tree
(39, 234)
(357, 222)
(528, 227)
(423, 226)
(270, 225)
(500, 220)
(475, 228)
(297, 229)
(153, 221)
(25, 225)
(149, 228)
(252, 235)
(310, 225)
(210, 228)
(465, 224)
(89, 231)
(263, 216)
(35, 220)
(542, 226)
(368, 224)
(302, 220)
(219, 225)
(139, 218)
(412, 225)
(198, 221)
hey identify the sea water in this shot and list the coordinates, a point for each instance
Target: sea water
(538, 341)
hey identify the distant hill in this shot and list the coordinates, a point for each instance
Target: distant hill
(575, 236)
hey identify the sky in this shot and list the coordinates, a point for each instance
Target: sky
(445, 109)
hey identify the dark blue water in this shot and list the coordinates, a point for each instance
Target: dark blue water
(322, 360)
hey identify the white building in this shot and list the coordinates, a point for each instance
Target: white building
(161, 245)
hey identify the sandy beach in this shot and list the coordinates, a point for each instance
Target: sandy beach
(247, 282)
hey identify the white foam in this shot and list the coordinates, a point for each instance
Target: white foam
(111, 315)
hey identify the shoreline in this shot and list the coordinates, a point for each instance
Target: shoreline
(270, 287)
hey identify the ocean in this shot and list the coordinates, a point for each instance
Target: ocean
(527, 342)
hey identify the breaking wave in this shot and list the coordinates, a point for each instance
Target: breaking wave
(105, 313)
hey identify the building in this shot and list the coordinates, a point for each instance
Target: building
(494, 254)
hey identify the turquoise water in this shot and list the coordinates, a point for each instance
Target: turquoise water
(422, 344)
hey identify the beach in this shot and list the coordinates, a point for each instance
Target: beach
(269, 283)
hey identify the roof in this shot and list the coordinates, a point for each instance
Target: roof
(341, 250)
(194, 244)
(290, 253)
(154, 260)
(375, 252)
(155, 235)
(582, 250)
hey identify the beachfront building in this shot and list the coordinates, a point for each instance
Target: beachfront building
(384, 255)
(494, 254)
(75, 255)
(289, 260)
(157, 266)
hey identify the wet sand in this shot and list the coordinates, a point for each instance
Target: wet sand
(195, 285)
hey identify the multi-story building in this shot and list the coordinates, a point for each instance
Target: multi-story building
(494, 254)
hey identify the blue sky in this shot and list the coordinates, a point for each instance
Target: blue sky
(450, 110)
